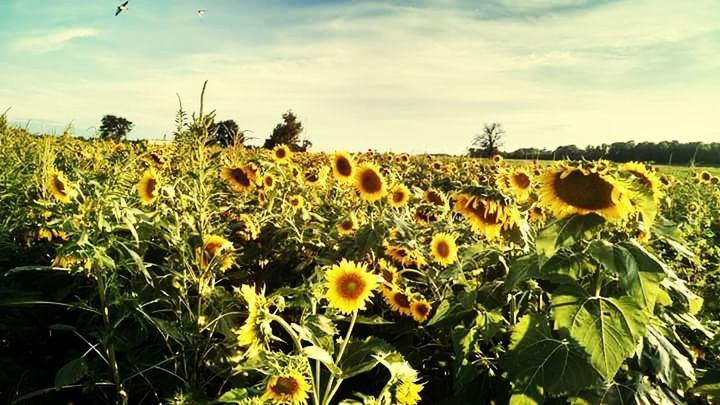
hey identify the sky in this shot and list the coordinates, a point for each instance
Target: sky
(419, 76)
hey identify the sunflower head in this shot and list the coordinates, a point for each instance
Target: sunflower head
(573, 190)
(343, 167)
(485, 215)
(705, 176)
(147, 187)
(434, 197)
(281, 154)
(316, 178)
(647, 179)
(347, 225)
(420, 310)
(497, 159)
(216, 248)
(239, 178)
(369, 182)
(397, 300)
(248, 335)
(693, 208)
(288, 388)
(399, 196)
(349, 286)
(58, 186)
(520, 184)
(296, 201)
(408, 393)
(268, 181)
(444, 249)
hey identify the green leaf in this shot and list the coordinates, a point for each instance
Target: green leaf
(709, 384)
(71, 372)
(521, 269)
(318, 353)
(540, 363)
(234, 396)
(660, 357)
(361, 355)
(453, 309)
(608, 329)
(563, 233)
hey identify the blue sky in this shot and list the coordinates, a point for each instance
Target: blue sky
(416, 76)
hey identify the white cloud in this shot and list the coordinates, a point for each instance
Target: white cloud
(51, 41)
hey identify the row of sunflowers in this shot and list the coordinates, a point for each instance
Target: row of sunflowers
(186, 273)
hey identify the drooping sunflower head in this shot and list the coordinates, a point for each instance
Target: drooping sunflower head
(349, 286)
(425, 214)
(343, 167)
(58, 186)
(572, 190)
(405, 256)
(388, 274)
(397, 300)
(216, 248)
(444, 249)
(249, 334)
(399, 196)
(316, 178)
(435, 197)
(486, 216)
(296, 201)
(420, 310)
(369, 182)
(147, 187)
(408, 393)
(290, 388)
(347, 225)
(646, 178)
(239, 178)
(156, 159)
(281, 154)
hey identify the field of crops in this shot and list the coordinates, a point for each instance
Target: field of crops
(185, 273)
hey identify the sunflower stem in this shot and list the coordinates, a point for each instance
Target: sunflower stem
(331, 389)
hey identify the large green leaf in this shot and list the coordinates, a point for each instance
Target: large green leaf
(608, 329)
(540, 363)
(661, 358)
(362, 355)
(563, 233)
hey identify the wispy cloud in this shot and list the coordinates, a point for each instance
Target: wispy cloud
(51, 41)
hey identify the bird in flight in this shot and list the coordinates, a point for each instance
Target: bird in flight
(201, 13)
(122, 7)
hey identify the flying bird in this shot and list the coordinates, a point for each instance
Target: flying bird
(121, 8)
(201, 13)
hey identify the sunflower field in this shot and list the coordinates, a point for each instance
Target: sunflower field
(184, 273)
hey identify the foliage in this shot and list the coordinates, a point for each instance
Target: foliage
(114, 128)
(489, 141)
(288, 133)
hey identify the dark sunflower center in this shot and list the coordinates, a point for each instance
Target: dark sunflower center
(285, 386)
(477, 208)
(422, 309)
(58, 184)
(443, 249)
(150, 187)
(434, 197)
(212, 248)
(522, 180)
(370, 181)
(590, 192)
(156, 159)
(347, 225)
(641, 177)
(268, 181)
(294, 201)
(387, 275)
(398, 196)
(351, 286)
(343, 166)
(240, 177)
(705, 176)
(401, 300)
(280, 153)
(312, 177)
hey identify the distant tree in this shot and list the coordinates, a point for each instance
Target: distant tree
(288, 133)
(225, 133)
(489, 141)
(114, 128)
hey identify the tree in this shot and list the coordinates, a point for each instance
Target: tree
(288, 133)
(225, 133)
(489, 141)
(114, 128)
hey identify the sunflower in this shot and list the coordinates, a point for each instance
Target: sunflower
(405, 256)
(408, 393)
(437, 165)
(486, 216)
(444, 249)
(156, 159)
(215, 246)
(348, 225)
(424, 214)
(244, 228)
(349, 286)
(399, 196)
(520, 184)
(239, 178)
(343, 167)
(568, 190)
(281, 154)
(268, 181)
(248, 334)
(316, 178)
(715, 180)
(693, 208)
(369, 182)
(297, 201)
(58, 186)
(537, 215)
(388, 274)
(497, 159)
(646, 178)
(434, 197)
(420, 310)
(147, 187)
(397, 300)
(289, 388)
(705, 176)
